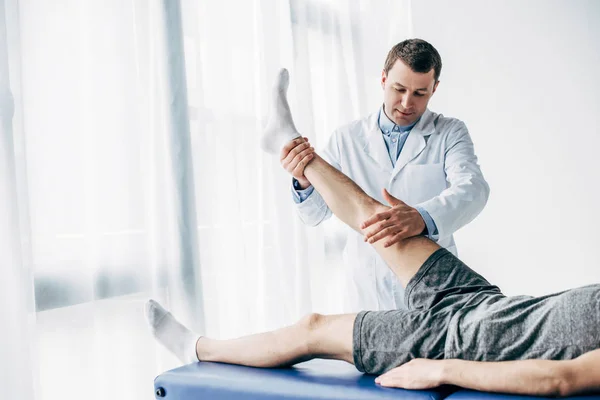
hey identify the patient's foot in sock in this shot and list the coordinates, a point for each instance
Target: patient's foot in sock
(280, 128)
(171, 333)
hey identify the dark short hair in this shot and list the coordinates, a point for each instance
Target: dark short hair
(418, 54)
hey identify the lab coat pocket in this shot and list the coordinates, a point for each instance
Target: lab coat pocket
(423, 181)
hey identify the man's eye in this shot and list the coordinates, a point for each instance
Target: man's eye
(419, 94)
(398, 90)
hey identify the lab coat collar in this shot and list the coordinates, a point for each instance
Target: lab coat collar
(375, 144)
(414, 145)
(426, 125)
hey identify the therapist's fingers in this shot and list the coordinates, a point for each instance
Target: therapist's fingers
(305, 151)
(385, 232)
(296, 165)
(295, 151)
(403, 234)
(376, 218)
(289, 147)
(378, 227)
(296, 155)
(301, 161)
(299, 171)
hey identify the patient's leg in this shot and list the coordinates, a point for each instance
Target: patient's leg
(345, 198)
(353, 206)
(313, 336)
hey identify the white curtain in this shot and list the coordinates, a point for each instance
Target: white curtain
(129, 169)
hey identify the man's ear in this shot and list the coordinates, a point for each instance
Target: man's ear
(383, 78)
(435, 87)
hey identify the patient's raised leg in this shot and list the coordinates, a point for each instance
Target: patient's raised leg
(345, 198)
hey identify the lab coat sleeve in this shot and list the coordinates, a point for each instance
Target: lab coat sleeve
(313, 210)
(467, 192)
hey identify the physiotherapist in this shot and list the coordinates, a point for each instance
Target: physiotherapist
(425, 161)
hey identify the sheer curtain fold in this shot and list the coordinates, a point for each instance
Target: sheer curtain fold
(131, 170)
(17, 350)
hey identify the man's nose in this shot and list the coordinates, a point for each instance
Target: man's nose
(406, 102)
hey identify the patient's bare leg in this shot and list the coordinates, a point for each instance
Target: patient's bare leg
(313, 336)
(353, 206)
(345, 199)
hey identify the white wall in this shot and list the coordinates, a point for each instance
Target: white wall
(524, 76)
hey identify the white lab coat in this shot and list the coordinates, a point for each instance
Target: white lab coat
(437, 170)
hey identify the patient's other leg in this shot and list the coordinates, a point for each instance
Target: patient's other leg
(345, 198)
(314, 336)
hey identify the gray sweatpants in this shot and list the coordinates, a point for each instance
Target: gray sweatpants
(453, 312)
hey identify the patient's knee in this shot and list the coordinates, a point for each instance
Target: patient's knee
(312, 325)
(311, 322)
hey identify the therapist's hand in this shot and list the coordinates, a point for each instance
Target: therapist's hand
(399, 222)
(295, 156)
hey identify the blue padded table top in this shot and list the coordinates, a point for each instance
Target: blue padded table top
(316, 379)
(464, 394)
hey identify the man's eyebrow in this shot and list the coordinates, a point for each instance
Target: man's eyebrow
(401, 85)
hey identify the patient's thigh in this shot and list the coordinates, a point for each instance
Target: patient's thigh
(386, 339)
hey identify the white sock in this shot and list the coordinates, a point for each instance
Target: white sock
(178, 339)
(280, 128)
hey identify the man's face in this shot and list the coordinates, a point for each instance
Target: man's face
(406, 93)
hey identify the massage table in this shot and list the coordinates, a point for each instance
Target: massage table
(316, 379)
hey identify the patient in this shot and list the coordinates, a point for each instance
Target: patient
(455, 318)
